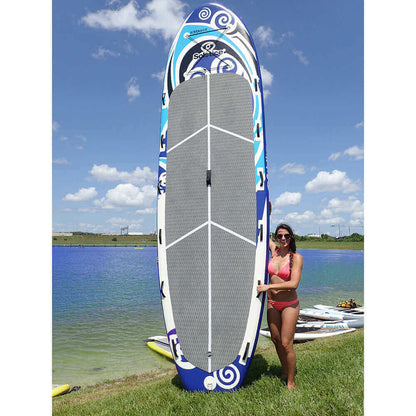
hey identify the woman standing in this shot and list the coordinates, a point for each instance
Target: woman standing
(285, 269)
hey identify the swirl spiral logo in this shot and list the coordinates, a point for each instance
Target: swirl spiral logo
(228, 377)
(223, 20)
(205, 13)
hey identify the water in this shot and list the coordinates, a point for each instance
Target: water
(106, 302)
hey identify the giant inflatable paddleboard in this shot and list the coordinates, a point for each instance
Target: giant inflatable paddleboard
(213, 222)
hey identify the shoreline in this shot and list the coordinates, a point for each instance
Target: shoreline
(303, 245)
(332, 359)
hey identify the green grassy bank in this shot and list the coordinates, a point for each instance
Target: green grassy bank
(145, 240)
(330, 381)
(97, 239)
(331, 245)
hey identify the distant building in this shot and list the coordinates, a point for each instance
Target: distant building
(313, 235)
(62, 234)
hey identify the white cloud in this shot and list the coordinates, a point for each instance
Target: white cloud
(336, 206)
(122, 222)
(92, 228)
(334, 156)
(336, 181)
(348, 205)
(264, 36)
(157, 17)
(301, 56)
(295, 217)
(55, 126)
(159, 75)
(326, 213)
(137, 177)
(355, 153)
(266, 76)
(127, 195)
(358, 125)
(102, 53)
(84, 194)
(146, 211)
(133, 90)
(61, 161)
(288, 198)
(92, 210)
(267, 79)
(293, 168)
(330, 221)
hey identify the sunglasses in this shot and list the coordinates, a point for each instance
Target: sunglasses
(280, 236)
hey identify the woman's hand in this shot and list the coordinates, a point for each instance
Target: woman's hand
(262, 288)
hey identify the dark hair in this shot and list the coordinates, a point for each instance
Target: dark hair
(292, 243)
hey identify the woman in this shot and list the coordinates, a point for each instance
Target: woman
(285, 269)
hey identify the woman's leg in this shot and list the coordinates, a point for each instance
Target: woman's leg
(289, 318)
(275, 325)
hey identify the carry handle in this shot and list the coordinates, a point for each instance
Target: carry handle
(261, 178)
(259, 283)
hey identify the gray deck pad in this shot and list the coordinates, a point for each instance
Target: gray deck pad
(211, 229)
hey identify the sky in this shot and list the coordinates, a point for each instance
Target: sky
(108, 59)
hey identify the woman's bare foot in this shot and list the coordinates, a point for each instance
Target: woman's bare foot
(291, 385)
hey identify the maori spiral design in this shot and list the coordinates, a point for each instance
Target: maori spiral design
(205, 13)
(227, 65)
(228, 377)
(223, 20)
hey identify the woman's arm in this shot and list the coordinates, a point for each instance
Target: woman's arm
(295, 275)
(272, 245)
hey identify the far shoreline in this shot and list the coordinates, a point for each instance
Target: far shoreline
(142, 241)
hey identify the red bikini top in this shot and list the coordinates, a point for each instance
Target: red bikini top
(283, 273)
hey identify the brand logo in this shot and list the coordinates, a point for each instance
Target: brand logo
(208, 49)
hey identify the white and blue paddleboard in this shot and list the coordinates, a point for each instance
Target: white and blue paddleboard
(213, 222)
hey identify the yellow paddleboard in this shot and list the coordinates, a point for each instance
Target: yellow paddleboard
(60, 390)
(160, 348)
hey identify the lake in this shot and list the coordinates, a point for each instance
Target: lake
(106, 302)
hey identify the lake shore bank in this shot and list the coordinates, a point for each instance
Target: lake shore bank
(150, 241)
(324, 386)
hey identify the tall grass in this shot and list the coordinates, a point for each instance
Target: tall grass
(329, 381)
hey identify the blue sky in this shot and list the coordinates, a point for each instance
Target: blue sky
(108, 59)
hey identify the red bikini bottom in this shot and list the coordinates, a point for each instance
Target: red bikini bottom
(282, 305)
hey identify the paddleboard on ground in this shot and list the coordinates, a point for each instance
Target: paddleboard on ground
(309, 334)
(359, 311)
(213, 221)
(160, 344)
(326, 314)
(58, 390)
(351, 323)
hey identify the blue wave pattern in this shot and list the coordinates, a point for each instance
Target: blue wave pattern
(213, 40)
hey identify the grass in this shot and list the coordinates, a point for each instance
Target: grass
(113, 240)
(329, 381)
(331, 245)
